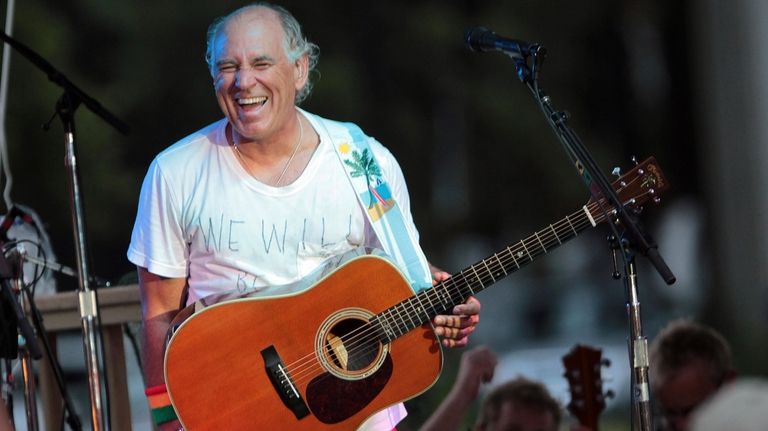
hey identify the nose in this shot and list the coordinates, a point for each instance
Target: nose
(245, 77)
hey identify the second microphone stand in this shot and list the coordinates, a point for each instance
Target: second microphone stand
(634, 238)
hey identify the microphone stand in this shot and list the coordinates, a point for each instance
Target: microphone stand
(634, 236)
(90, 322)
(70, 414)
(28, 348)
(25, 356)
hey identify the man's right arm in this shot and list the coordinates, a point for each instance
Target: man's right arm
(160, 301)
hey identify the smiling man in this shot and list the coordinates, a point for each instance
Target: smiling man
(262, 197)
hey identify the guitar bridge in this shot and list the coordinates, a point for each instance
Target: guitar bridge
(283, 383)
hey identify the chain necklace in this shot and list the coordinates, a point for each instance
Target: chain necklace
(241, 157)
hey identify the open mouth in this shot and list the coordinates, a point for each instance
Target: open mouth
(252, 101)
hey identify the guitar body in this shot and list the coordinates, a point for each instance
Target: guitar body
(300, 362)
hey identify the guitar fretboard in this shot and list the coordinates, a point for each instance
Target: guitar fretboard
(421, 308)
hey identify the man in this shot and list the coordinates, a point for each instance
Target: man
(519, 404)
(689, 363)
(260, 199)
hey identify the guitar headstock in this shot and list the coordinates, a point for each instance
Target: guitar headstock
(642, 183)
(583, 366)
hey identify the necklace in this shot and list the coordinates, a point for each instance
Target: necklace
(287, 164)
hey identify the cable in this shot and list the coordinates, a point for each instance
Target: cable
(4, 78)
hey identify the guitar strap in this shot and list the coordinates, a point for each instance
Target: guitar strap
(383, 212)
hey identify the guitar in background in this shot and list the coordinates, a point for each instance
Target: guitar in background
(583, 366)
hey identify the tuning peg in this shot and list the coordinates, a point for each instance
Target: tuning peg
(634, 161)
(616, 171)
(656, 199)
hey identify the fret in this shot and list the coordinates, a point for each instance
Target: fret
(542, 244)
(399, 325)
(469, 285)
(489, 271)
(420, 308)
(431, 305)
(386, 328)
(526, 250)
(575, 233)
(555, 233)
(386, 325)
(512, 255)
(404, 305)
(444, 295)
(501, 265)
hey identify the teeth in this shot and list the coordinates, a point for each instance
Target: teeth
(252, 100)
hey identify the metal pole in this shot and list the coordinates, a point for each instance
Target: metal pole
(88, 305)
(638, 351)
(27, 367)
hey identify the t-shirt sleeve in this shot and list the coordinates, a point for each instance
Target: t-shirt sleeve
(157, 240)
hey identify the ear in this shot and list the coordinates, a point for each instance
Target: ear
(301, 71)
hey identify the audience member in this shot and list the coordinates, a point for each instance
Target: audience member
(739, 407)
(519, 404)
(689, 362)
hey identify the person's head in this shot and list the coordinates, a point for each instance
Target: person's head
(521, 405)
(260, 63)
(689, 363)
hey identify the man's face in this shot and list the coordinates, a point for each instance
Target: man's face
(255, 82)
(684, 390)
(516, 417)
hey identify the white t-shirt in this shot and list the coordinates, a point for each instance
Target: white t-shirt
(203, 217)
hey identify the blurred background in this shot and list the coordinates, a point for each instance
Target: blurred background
(682, 81)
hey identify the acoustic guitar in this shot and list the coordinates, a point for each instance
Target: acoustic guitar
(349, 341)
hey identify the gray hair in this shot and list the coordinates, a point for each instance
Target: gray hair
(294, 42)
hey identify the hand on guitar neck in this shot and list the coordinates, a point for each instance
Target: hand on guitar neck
(454, 329)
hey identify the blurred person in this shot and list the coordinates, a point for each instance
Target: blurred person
(741, 406)
(261, 198)
(689, 362)
(519, 404)
(5, 417)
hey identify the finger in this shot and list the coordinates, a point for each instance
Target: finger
(452, 321)
(439, 276)
(470, 307)
(448, 332)
(451, 343)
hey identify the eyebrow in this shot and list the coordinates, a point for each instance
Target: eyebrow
(229, 61)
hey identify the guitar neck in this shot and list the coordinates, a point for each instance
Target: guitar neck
(421, 308)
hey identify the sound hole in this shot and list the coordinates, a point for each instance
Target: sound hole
(351, 345)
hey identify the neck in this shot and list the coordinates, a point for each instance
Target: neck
(276, 162)
(274, 145)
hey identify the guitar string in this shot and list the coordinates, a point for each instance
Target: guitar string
(564, 226)
(298, 374)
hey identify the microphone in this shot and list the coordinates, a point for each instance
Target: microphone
(482, 39)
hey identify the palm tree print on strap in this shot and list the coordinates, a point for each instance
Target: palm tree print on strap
(364, 165)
